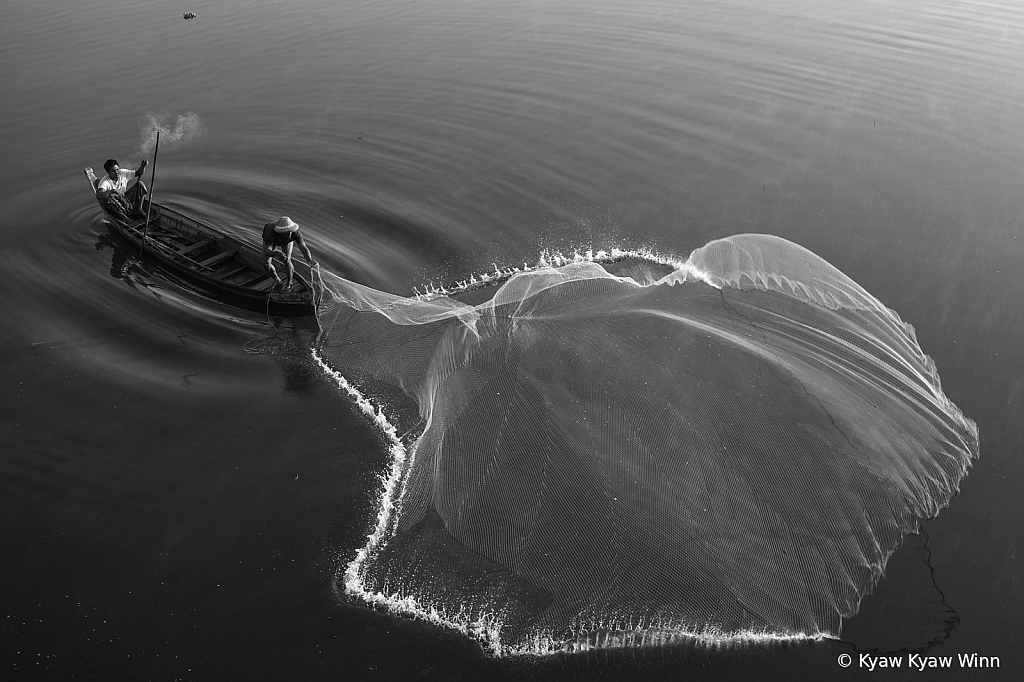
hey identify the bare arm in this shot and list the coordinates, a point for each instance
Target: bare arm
(142, 168)
(305, 250)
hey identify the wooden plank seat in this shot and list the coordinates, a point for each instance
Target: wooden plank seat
(153, 231)
(264, 284)
(166, 247)
(213, 260)
(232, 272)
(252, 280)
(185, 250)
(173, 254)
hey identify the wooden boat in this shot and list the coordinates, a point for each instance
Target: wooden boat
(222, 266)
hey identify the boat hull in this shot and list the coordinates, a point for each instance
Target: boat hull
(222, 266)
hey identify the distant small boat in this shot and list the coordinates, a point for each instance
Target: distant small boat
(223, 266)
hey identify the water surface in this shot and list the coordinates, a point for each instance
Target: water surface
(176, 506)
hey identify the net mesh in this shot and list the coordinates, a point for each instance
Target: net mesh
(620, 453)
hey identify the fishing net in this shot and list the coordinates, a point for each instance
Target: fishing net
(623, 453)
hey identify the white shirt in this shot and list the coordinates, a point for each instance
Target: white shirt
(120, 185)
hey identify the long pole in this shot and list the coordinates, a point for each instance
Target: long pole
(152, 185)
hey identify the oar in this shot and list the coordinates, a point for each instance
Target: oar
(152, 183)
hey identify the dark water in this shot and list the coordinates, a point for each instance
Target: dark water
(178, 482)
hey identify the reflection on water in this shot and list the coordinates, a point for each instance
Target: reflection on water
(122, 265)
(911, 601)
(288, 341)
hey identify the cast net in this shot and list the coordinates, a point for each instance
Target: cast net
(628, 453)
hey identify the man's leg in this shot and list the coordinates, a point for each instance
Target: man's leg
(268, 262)
(134, 196)
(288, 262)
(116, 206)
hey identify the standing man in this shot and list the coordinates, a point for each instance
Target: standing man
(281, 236)
(114, 195)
